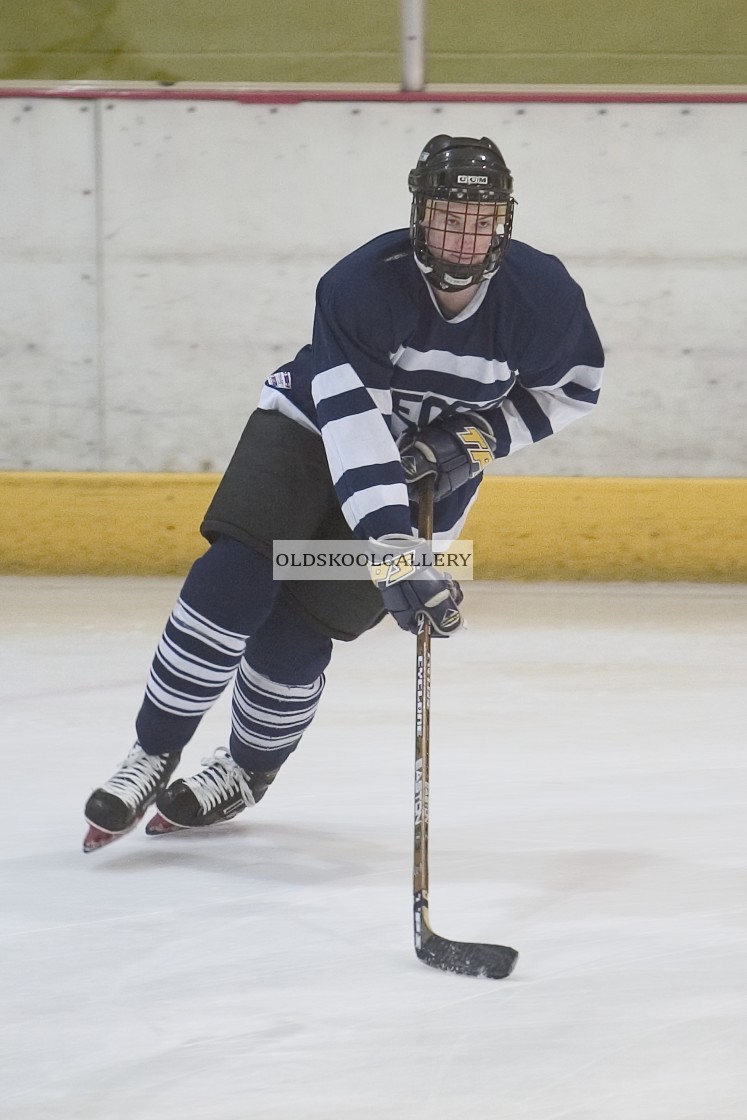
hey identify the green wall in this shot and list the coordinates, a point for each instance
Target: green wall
(469, 41)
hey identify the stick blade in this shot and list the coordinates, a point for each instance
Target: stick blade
(468, 958)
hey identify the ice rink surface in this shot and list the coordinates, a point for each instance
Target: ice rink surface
(588, 806)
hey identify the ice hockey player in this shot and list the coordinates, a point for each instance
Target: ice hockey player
(434, 350)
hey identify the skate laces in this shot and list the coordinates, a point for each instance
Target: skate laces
(221, 779)
(137, 777)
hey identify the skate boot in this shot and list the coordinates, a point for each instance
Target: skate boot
(117, 806)
(217, 793)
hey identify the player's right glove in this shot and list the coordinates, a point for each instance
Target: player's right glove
(412, 588)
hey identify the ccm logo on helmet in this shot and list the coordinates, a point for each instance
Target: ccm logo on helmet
(472, 180)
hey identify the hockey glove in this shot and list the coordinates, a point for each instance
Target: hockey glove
(412, 588)
(454, 450)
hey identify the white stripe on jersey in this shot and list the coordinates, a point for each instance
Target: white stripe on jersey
(358, 441)
(274, 401)
(518, 432)
(559, 410)
(332, 382)
(588, 376)
(363, 502)
(343, 378)
(487, 371)
(382, 399)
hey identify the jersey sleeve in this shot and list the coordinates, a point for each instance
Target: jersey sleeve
(559, 375)
(351, 390)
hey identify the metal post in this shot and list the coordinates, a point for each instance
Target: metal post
(413, 44)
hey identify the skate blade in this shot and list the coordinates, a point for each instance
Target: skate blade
(160, 826)
(97, 838)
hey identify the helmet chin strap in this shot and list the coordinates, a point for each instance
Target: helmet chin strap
(442, 281)
(453, 283)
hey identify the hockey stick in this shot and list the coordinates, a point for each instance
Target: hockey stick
(465, 957)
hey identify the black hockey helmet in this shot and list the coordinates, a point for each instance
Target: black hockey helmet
(459, 169)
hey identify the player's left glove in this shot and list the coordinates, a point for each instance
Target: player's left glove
(412, 588)
(454, 450)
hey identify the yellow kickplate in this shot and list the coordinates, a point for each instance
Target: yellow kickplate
(523, 528)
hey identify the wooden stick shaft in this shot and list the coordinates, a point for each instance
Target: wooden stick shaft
(422, 736)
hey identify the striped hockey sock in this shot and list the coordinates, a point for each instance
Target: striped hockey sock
(269, 718)
(228, 595)
(194, 662)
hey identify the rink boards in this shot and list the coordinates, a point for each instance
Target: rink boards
(523, 527)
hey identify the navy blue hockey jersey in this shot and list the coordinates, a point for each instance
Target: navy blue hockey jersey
(384, 360)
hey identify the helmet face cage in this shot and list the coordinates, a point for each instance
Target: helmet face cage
(462, 211)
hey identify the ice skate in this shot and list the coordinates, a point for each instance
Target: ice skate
(216, 793)
(116, 807)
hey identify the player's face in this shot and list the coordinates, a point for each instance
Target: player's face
(462, 232)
